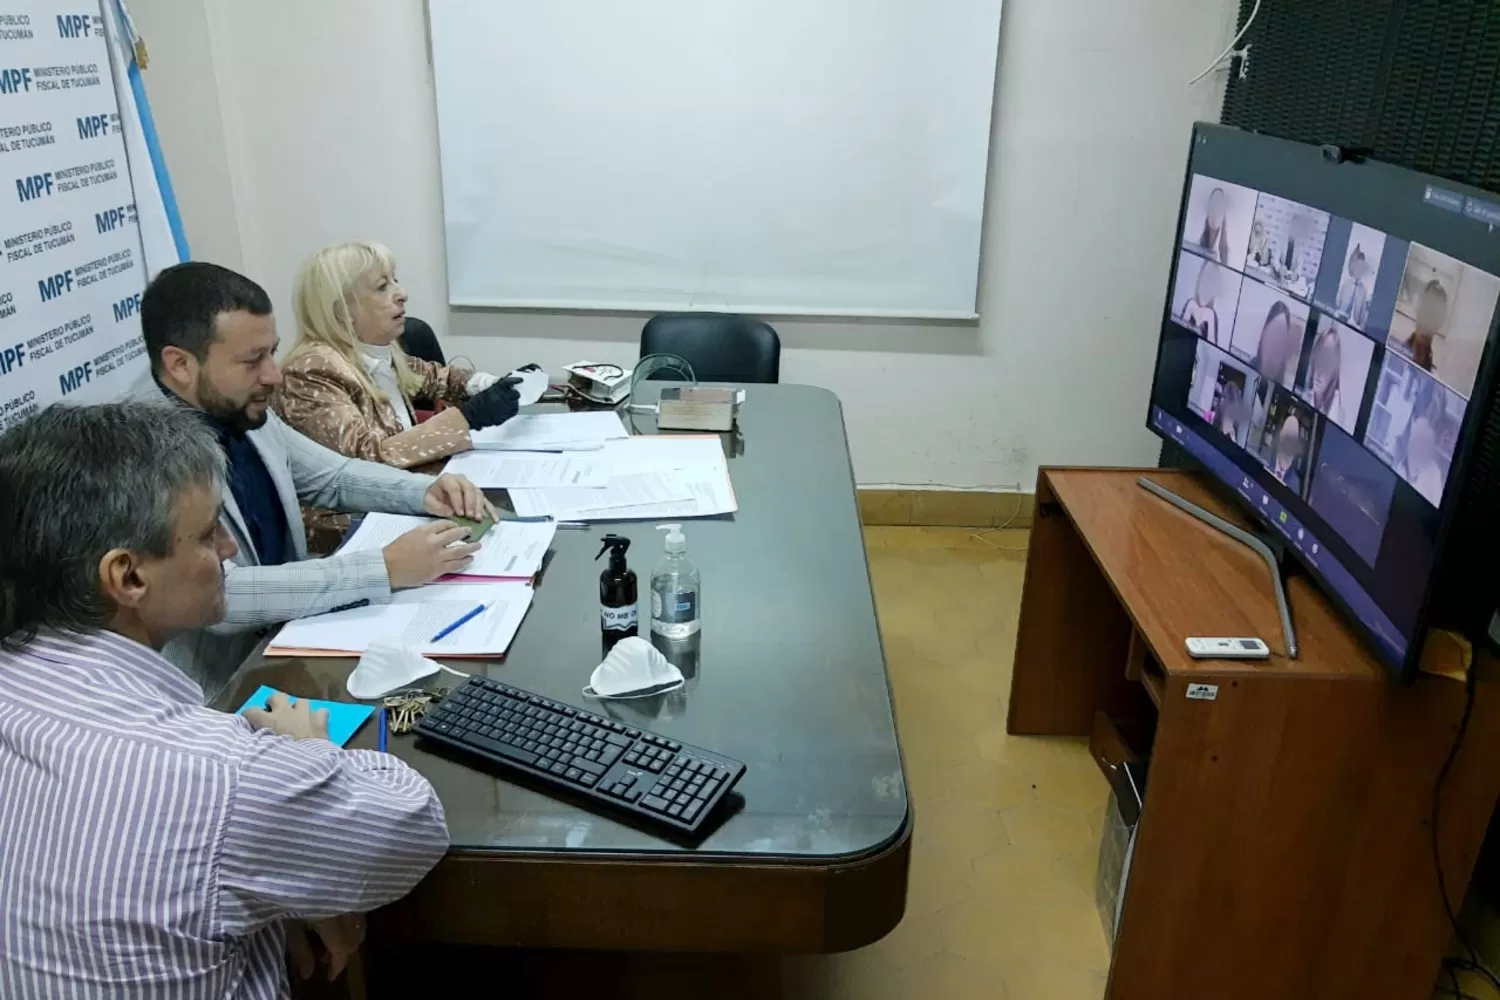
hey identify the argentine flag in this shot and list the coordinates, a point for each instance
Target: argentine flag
(162, 237)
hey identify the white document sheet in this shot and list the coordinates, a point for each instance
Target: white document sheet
(624, 490)
(497, 470)
(661, 476)
(655, 452)
(712, 494)
(586, 431)
(510, 550)
(416, 616)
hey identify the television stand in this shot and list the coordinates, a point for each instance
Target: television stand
(1284, 847)
(1273, 563)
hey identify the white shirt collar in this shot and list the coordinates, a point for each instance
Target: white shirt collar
(376, 356)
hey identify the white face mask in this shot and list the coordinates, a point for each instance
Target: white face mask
(533, 384)
(389, 665)
(530, 389)
(633, 669)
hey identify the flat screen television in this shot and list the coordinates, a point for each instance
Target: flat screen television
(1328, 354)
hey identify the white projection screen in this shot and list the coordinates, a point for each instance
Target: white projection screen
(812, 157)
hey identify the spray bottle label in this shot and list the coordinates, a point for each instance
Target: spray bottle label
(617, 619)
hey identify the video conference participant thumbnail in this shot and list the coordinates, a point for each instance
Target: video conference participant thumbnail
(1269, 328)
(1286, 244)
(1284, 444)
(1414, 425)
(1221, 390)
(1335, 370)
(1352, 491)
(1205, 297)
(1444, 311)
(1359, 277)
(1217, 221)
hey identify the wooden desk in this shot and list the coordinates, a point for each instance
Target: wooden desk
(790, 679)
(1283, 850)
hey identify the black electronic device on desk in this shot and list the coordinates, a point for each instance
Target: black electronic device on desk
(629, 770)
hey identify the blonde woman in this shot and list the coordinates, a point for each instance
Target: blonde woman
(347, 383)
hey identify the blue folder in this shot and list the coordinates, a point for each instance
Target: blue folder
(344, 718)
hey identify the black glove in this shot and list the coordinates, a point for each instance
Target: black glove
(495, 405)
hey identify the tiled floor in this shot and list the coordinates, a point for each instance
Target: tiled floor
(1001, 898)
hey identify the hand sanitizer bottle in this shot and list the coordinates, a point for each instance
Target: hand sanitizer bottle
(676, 609)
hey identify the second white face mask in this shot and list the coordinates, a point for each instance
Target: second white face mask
(633, 669)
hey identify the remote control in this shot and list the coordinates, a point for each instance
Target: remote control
(1227, 649)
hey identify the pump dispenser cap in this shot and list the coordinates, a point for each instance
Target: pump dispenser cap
(676, 541)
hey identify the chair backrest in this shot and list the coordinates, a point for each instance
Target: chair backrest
(418, 340)
(721, 347)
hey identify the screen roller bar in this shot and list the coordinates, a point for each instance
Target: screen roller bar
(1239, 535)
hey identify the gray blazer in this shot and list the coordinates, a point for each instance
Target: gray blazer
(262, 596)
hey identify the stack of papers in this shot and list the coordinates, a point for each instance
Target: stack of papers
(416, 617)
(586, 431)
(586, 467)
(504, 470)
(511, 550)
(652, 478)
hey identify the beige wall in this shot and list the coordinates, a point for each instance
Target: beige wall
(288, 125)
(184, 95)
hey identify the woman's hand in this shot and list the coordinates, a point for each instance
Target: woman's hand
(494, 405)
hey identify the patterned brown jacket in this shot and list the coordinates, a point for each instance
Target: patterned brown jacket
(322, 396)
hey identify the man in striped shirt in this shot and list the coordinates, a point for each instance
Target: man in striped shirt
(151, 847)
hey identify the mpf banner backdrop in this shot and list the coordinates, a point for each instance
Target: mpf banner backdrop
(72, 272)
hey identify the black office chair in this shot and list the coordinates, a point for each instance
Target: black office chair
(721, 347)
(418, 340)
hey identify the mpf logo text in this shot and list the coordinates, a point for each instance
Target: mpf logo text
(74, 25)
(94, 126)
(56, 286)
(14, 81)
(111, 219)
(127, 307)
(77, 378)
(12, 358)
(34, 187)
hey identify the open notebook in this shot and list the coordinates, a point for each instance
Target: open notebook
(416, 616)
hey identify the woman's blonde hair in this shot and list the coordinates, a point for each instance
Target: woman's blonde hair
(323, 305)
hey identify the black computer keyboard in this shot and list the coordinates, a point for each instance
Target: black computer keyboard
(645, 775)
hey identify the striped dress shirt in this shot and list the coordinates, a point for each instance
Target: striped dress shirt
(153, 848)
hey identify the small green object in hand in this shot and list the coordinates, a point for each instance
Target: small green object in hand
(477, 529)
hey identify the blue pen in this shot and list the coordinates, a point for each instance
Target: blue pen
(384, 728)
(455, 626)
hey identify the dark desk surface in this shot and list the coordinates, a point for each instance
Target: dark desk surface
(790, 676)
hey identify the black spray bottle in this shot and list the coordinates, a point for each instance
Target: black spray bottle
(617, 592)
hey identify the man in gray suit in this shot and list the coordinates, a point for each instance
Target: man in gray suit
(212, 344)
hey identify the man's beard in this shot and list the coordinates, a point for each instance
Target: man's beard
(224, 410)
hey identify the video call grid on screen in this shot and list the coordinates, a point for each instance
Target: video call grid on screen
(1370, 294)
(1400, 365)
